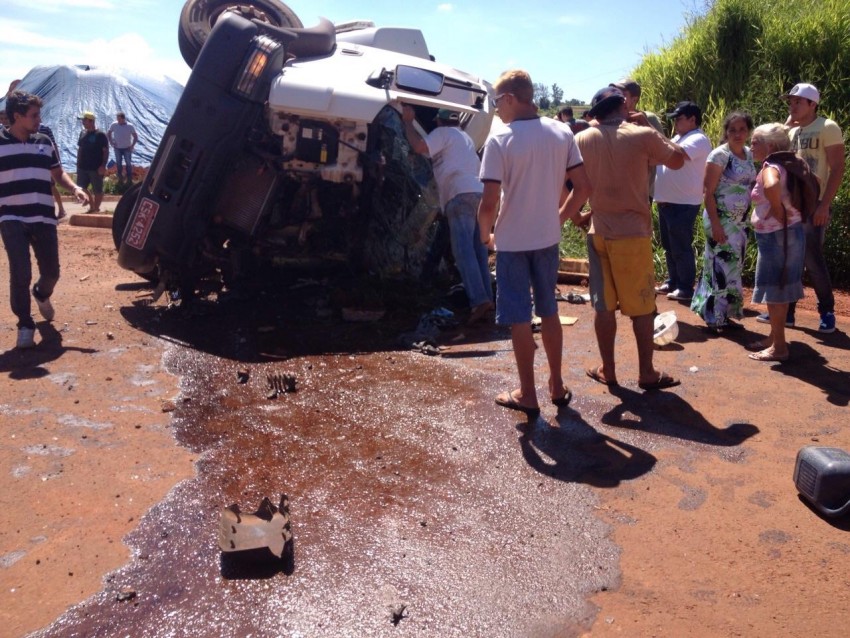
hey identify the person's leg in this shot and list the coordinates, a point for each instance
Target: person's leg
(643, 327)
(45, 245)
(544, 278)
(97, 188)
(522, 340)
(604, 299)
(128, 158)
(119, 163)
(632, 271)
(816, 267)
(775, 344)
(461, 212)
(605, 326)
(513, 307)
(16, 241)
(664, 217)
(680, 220)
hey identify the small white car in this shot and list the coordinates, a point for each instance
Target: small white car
(287, 148)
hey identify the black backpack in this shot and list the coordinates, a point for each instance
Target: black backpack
(803, 185)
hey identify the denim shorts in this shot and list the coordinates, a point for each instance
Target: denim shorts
(520, 273)
(771, 285)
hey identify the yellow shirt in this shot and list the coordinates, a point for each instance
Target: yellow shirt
(811, 142)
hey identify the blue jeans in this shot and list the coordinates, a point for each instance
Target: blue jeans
(469, 253)
(676, 223)
(815, 263)
(17, 238)
(124, 155)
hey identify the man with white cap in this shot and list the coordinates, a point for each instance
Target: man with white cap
(820, 142)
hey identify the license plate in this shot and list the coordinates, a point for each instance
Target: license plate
(142, 222)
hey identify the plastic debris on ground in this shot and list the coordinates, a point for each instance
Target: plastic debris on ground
(424, 337)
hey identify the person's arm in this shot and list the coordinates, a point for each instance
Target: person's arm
(571, 208)
(101, 170)
(773, 194)
(835, 160)
(62, 178)
(676, 159)
(135, 138)
(110, 138)
(487, 210)
(408, 115)
(710, 182)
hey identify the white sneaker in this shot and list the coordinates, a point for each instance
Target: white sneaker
(45, 308)
(26, 338)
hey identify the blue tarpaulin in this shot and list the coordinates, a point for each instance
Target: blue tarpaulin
(67, 91)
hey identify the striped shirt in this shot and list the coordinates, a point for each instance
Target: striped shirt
(25, 193)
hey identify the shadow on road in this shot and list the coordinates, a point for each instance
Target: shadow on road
(667, 414)
(29, 363)
(576, 453)
(812, 367)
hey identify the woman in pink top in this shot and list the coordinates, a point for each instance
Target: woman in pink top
(780, 239)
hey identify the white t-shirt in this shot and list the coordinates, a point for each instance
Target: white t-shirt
(121, 135)
(684, 186)
(530, 159)
(454, 161)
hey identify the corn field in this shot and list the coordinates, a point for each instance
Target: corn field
(742, 55)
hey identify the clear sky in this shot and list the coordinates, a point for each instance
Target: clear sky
(581, 46)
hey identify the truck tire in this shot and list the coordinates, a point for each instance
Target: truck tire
(198, 17)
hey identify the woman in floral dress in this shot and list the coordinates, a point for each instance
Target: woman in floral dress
(729, 176)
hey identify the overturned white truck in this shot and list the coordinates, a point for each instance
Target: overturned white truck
(287, 147)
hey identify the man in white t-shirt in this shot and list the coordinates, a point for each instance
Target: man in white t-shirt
(678, 194)
(455, 164)
(123, 137)
(525, 166)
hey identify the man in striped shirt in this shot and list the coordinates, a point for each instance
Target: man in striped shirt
(28, 160)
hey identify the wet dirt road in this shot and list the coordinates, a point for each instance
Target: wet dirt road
(420, 508)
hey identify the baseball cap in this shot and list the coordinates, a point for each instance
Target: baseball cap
(807, 91)
(628, 85)
(87, 115)
(686, 108)
(605, 97)
(447, 115)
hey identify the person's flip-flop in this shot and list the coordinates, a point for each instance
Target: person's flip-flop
(664, 381)
(757, 345)
(564, 401)
(596, 375)
(507, 400)
(766, 355)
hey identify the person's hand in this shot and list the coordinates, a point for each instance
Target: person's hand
(407, 114)
(639, 118)
(717, 232)
(821, 216)
(488, 239)
(81, 195)
(101, 170)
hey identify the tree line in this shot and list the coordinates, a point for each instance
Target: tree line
(552, 97)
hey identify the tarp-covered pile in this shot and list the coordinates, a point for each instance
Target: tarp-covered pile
(67, 91)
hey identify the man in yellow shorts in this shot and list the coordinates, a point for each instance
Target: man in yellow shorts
(617, 156)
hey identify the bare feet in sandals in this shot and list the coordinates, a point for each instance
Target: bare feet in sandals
(768, 354)
(599, 376)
